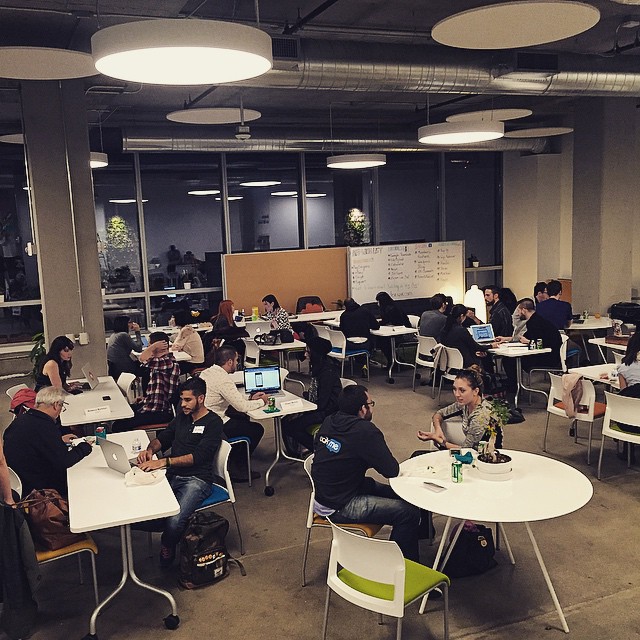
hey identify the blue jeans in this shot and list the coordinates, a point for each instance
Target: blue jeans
(378, 504)
(190, 492)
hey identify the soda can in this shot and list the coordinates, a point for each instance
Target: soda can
(100, 431)
(456, 471)
(539, 345)
(272, 403)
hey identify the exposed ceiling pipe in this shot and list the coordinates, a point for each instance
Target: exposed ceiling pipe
(135, 142)
(366, 67)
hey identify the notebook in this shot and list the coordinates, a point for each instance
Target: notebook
(265, 379)
(91, 377)
(115, 456)
(482, 333)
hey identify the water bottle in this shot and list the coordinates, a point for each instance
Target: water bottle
(135, 445)
(153, 324)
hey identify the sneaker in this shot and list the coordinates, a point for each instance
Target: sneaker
(365, 372)
(167, 556)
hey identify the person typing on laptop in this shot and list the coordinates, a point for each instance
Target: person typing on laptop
(194, 437)
(224, 399)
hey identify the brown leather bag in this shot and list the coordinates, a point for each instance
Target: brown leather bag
(47, 514)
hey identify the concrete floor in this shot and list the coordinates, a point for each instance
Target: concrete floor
(590, 554)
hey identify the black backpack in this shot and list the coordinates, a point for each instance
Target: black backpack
(204, 558)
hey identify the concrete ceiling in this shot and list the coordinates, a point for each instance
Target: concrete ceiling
(367, 31)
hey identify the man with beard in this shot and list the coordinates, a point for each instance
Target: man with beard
(499, 315)
(346, 446)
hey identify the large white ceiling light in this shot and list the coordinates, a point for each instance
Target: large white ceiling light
(182, 52)
(452, 133)
(357, 161)
(98, 160)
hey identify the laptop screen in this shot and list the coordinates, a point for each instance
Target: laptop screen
(265, 379)
(482, 333)
(91, 377)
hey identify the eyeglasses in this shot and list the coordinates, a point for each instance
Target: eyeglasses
(371, 404)
(63, 405)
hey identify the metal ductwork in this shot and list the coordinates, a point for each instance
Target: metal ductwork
(360, 66)
(162, 142)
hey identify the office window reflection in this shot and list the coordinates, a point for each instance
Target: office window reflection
(263, 201)
(118, 234)
(321, 226)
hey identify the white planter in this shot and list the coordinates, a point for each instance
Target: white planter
(494, 470)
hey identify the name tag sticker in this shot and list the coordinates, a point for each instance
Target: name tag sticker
(287, 405)
(199, 428)
(98, 412)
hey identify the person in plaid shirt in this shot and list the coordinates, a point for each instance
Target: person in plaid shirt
(164, 372)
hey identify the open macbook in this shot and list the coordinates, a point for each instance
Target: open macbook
(265, 379)
(92, 378)
(482, 333)
(116, 456)
(259, 326)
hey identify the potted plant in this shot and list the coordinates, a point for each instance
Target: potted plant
(38, 352)
(473, 261)
(491, 461)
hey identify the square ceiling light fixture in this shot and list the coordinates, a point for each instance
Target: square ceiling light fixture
(182, 52)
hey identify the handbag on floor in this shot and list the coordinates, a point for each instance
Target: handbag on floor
(47, 514)
(473, 553)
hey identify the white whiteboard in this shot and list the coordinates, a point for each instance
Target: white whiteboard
(407, 271)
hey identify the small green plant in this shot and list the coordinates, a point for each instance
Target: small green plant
(499, 418)
(38, 352)
(356, 228)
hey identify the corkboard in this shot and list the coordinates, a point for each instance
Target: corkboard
(288, 275)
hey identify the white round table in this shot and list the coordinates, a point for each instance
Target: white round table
(539, 488)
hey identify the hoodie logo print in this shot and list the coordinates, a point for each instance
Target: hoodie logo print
(332, 445)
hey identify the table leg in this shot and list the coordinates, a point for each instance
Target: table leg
(547, 579)
(171, 622)
(521, 384)
(503, 533)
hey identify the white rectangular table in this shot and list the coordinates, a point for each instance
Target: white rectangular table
(594, 372)
(393, 333)
(99, 498)
(320, 316)
(530, 494)
(282, 349)
(590, 325)
(260, 415)
(77, 406)
(519, 352)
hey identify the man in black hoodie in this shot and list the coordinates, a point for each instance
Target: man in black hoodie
(346, 446)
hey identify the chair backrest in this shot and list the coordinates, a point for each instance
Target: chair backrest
(426, 344)
(221, 467)
(251, 354)
(370, 558)
(563, 351)
(453, 360)
(555, 393)
(323, 331)
(125, 382)
(307, 467)
(11, 391)
(622, 410)
(303, 301)
(15, 482)
(345, 382)
(338, 341)
(588, 398)
(414, 320)
(617, 358)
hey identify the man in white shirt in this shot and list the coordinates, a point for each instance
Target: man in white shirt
(224, 399)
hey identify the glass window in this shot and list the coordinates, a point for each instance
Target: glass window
(131, 307)
(182, 219)
(473, 211)
(262, 218)
(18, 271)
(201, 305)
(19, 323)
(408, 198)
(321, 220)
(117, 229)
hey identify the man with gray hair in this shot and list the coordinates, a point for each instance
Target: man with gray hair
(34, 448)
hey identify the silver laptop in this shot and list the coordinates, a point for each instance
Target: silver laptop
(91, 377)
(265, 379)
(116, 456)
(259, 326)
(482, 333)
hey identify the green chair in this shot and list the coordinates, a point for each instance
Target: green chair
(374, 575)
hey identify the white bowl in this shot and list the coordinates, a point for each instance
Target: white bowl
(494, 470)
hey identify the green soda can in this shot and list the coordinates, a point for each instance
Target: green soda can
(456, 471)
(272, 403)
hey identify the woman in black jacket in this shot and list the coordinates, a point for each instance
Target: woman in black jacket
(323, 391)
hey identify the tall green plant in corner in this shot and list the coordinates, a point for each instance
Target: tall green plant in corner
(38, 352)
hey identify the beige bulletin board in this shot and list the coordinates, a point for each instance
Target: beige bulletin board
(288, 275)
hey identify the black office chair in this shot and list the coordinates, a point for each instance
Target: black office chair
(305, 300)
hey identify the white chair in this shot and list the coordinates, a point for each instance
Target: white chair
(314, 520)
(617, 358)
(251, 354)
(623, 410)
(221, 494)
(563, 360)
(15, 482)
(345, 382)
(323, 331)
(373, 575)
(11, 391)
(414, 320)
(126, 382)
(588, 411)
(427, 355)
(449, 363)
(340, 352)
